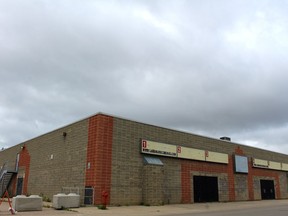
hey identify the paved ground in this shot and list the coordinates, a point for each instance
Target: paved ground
(255, 208)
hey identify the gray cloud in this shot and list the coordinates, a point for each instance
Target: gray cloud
(215, 68)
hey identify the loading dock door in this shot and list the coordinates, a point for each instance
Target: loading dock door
(205, 189)
(267, 189)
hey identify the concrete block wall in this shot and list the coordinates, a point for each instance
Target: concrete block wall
(223, 184)
(153, 185)
(127, 164)
(126, 144)
(111, 146)
(56, 161)
(256, 188)
(172, 183)
(283, 177)
(9, 156)
(241, 187)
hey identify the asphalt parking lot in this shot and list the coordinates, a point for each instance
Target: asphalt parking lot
(255, 208)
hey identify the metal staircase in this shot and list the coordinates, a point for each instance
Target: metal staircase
(5, 178)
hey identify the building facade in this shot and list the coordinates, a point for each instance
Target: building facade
(136, 163)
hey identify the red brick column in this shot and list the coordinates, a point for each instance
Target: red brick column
(24, 161)
(99, 155)
(278, 193)
(231, 179)
(185, 182)
(250, 180)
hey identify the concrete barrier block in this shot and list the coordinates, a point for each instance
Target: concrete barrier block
(31, 203)
(66, 201)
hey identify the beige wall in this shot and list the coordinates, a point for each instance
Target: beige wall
(58, 161)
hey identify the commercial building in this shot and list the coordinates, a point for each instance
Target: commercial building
(136, 163)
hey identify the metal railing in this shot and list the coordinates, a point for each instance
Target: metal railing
(3, 170)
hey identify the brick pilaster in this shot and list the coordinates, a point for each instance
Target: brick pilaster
(231, 179)
(99, 155)
(24, 161)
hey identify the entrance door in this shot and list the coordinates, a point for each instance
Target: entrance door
(267, 189)
(19, 186)
(205, 189)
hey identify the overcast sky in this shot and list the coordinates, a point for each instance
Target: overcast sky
(215, 68)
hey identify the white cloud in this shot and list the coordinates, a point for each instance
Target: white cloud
(217, 68)
(163, 25)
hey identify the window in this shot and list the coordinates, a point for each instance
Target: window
(241, 164)
(152, 161)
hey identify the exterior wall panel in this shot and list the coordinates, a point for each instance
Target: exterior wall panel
(241, 187)
(104, 152)
(55, 161)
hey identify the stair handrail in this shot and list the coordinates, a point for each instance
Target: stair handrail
(3, 170)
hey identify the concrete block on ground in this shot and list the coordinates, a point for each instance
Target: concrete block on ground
(61, 200)
(23, 203)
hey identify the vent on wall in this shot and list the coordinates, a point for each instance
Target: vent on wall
(225, 138)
